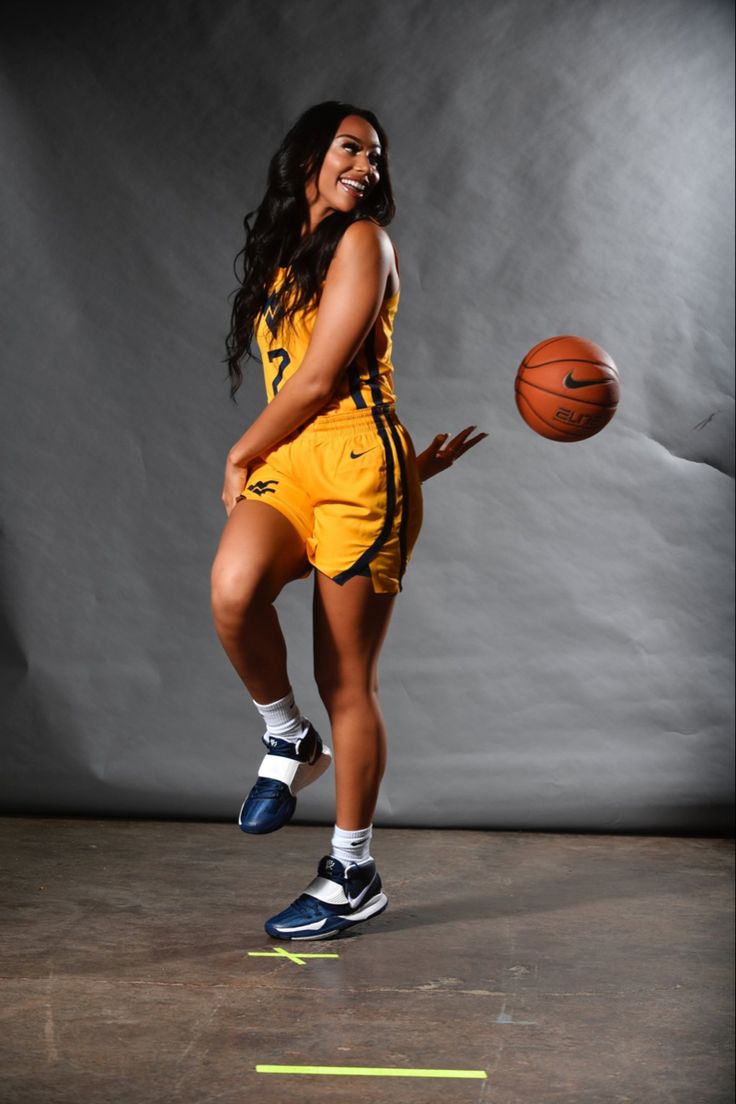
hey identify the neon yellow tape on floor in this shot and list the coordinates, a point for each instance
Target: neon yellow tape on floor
(374, 1071)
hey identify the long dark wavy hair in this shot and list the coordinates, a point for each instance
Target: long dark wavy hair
(274, 231)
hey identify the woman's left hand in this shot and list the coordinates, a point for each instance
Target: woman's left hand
(442, 454)
(235, 478)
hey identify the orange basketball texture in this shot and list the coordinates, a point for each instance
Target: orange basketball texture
(567, 388)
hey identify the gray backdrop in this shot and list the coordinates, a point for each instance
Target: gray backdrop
(561, 655)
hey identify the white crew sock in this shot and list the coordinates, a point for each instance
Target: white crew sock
(283, 718)
(351, 847)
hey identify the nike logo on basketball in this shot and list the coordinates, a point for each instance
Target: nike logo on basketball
(355, 455)
(262, 487)
(571, 383)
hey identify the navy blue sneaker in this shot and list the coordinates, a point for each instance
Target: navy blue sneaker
(338, 898)
(286, 769)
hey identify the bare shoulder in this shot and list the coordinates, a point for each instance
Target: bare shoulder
(365, 252)
(367, 241)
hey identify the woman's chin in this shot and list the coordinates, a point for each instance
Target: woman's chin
(346, 202)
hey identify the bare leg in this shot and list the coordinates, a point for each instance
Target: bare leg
(260, 551)
(350, 624)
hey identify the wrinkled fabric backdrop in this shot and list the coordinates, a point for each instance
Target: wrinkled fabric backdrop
(561, 655)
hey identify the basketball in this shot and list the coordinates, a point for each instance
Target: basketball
(567, 388)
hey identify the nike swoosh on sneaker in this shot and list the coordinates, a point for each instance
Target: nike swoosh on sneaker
(571, 383)
(355, 901)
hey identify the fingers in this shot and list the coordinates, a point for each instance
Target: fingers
(462, 438)
(471, 443)
(458, 445)
(235, 481)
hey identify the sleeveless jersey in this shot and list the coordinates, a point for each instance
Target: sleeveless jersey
(366, 383)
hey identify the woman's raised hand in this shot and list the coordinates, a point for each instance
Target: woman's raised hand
(442, 453)
(235, 479)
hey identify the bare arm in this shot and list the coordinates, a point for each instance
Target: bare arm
(351, 299)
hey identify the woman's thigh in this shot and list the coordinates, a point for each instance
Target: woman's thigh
(259, 550)
(350, 625)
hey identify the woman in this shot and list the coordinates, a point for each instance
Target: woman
(325, 477)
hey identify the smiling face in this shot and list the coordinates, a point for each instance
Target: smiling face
(348, 172)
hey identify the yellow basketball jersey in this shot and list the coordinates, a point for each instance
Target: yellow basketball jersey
(367, 381)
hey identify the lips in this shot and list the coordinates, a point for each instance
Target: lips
(354, 187)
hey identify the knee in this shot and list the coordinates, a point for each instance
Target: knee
(340, 694)
(232, 593)
(330, 684)
(327, 687)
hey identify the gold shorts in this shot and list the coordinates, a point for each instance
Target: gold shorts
(348, 483)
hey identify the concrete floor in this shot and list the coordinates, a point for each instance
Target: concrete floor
(568, 968)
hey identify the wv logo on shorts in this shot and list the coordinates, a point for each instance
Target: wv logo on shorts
(263, 486)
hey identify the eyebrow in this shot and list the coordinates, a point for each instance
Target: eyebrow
(376, 145)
